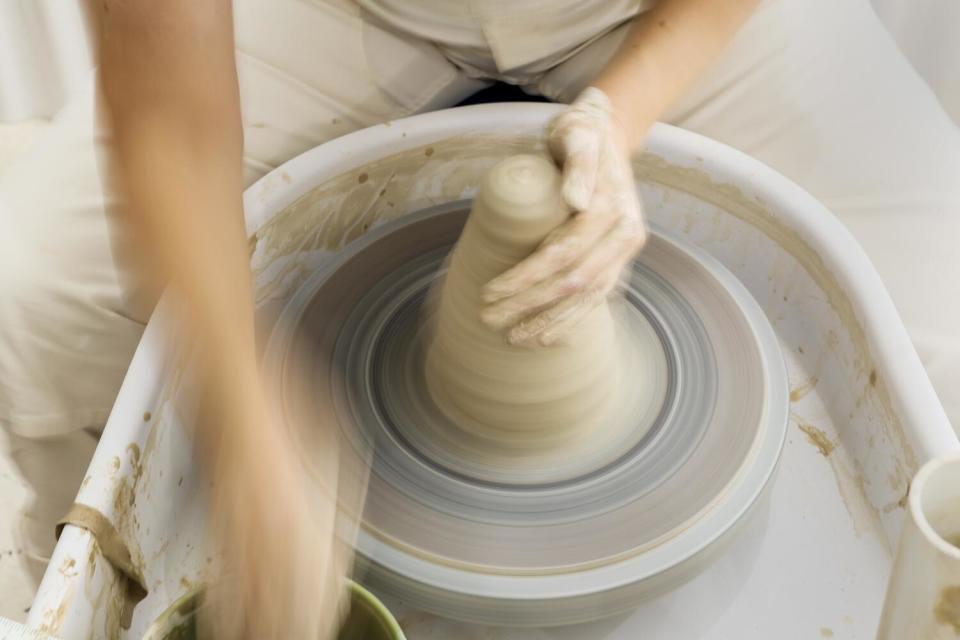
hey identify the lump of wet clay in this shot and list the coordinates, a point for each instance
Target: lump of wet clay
(520, 398)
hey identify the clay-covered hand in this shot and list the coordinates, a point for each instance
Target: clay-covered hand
(580, 263)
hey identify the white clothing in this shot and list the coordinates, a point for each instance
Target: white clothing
(512, 40)
(54, 467)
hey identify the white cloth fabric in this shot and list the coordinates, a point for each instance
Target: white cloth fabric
(44, 56)
(513, 40)
(65, 457)
(817, 89)
(928, 32)
(45, 53)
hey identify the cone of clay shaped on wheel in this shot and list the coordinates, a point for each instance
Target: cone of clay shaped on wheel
(518, 398)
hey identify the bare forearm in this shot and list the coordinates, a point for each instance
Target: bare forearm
(169, 79)
(665, 51)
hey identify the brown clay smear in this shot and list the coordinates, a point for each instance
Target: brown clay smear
(819, 439)
(347, 206)
(52, 619)
(800, 392)
(67, 568)
(113, 596)
(864, 515)
(947, 609)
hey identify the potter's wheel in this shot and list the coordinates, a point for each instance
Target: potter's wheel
(561, 540)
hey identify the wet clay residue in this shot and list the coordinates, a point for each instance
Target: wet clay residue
(899, 504)
(52, 619)
(133, 450)
(92, 559)
(818, 439)
(864, 516)
(346, 206)
(126, 489)
(119, 593)
(947, 609)
(801, 391)
(67, 567)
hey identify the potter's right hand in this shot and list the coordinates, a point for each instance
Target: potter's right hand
(579, 264)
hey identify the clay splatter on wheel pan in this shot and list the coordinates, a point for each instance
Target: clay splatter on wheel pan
(561, 541)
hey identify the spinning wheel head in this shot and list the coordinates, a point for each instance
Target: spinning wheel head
(543, 537)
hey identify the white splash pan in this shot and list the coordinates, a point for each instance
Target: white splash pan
(812, 563)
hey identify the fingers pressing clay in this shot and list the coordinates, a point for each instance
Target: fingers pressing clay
(582, 159)
(560, 249)
(578, 140)
(601, 237)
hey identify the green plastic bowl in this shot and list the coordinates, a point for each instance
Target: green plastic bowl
(368, 618)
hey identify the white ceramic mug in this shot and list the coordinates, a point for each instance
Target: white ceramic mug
(923, 596)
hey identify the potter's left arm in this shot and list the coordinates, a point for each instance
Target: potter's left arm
(667, 48)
